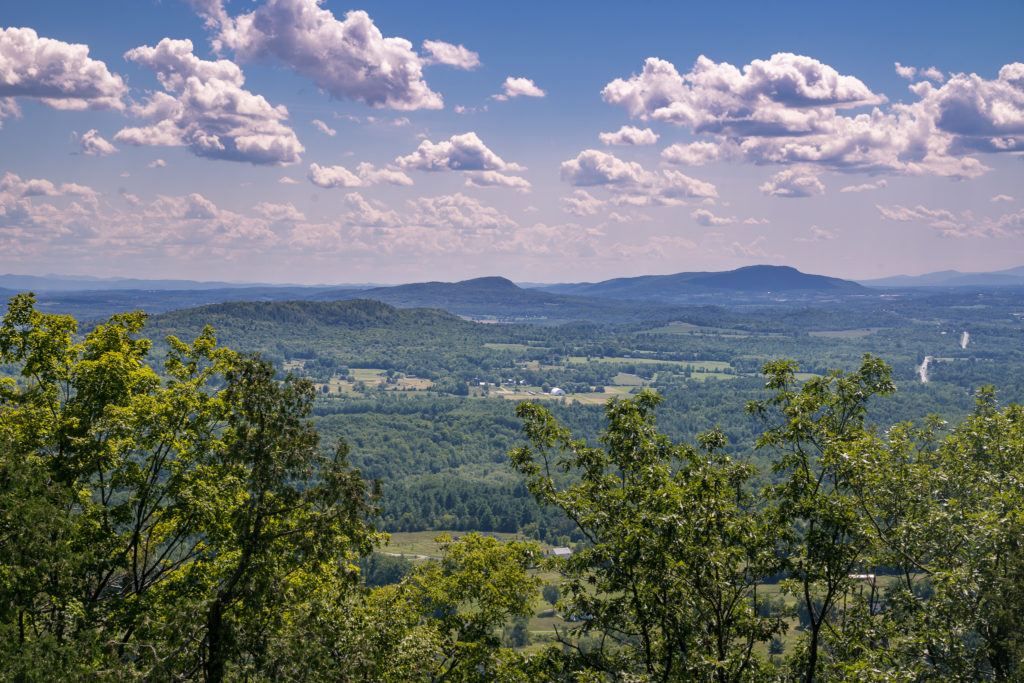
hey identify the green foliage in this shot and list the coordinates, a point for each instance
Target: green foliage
(151, 526)
(187, 522)
(676, 548)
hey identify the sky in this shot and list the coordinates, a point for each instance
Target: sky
(317, 142)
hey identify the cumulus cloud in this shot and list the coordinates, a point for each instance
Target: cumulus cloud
(372, 175)
(206, 109)
(793, 182)
(787, 110)
(957, 225)
(13, 187)
(495, 179)
(40, 219)
(519, 87)
(285, 180)
(632, 183)
(333, 176)
(452, 55)
(1001, 198)
(630, 135)
(582, 203)
(366, 174)
(911, 72)
(907, 72)
(594, 167)
(981, 115)
(708, 219)
(58, 74)
(865, 187)
(279, 212)
(349, 59)
(458, 211)
(816, 234)
(94, 144)
(157, 163)
(324, 128)
(693, 154)
(896, 212)
(781, 95)
(465, 152)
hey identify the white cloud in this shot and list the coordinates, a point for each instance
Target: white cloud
(557, 241)
(452, 55)
(13, 187)
(324, 128)
(783, 95)
(693, 154)
(39, 219)
(957, 225)
(1001, 198)
(910, 73)
(897, 212)
(676, 184)
(980, 115)
(350, 59)
(865, 187)
(582, 203)
(95, 145)
(58, 74)
(458, 211)
(279, 212)
(816, 234)
(708, 219)
(786, 110)
(465, 152)
(495, 179)
(519, 87)
(793, 182)
(372, 175)
(285, 180)
(630, 135)
(333, 176)
(594, 167)
(632, 184)
(907, 72)
(208, 111)
(366, 174)
(157, 163)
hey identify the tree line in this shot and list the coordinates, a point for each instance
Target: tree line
(188, 524)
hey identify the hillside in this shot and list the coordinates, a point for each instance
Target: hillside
(749, 281)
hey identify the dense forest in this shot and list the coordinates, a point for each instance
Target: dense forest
(183, 509)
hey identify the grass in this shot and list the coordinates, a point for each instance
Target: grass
(697, 365)
(424, 543)
(846, 334)
(704, 376)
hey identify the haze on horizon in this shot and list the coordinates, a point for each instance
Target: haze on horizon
(298, 141)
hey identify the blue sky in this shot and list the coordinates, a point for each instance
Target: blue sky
(320, 142)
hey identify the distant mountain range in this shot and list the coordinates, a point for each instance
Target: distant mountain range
(498, 299)
(82, 283)
(1012, 277)
(757, 280)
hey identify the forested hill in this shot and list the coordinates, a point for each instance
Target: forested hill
(358, 333)
(307, 317)
(751, 280)
(491, 298)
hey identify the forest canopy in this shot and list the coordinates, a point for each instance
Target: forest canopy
(185, 523)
